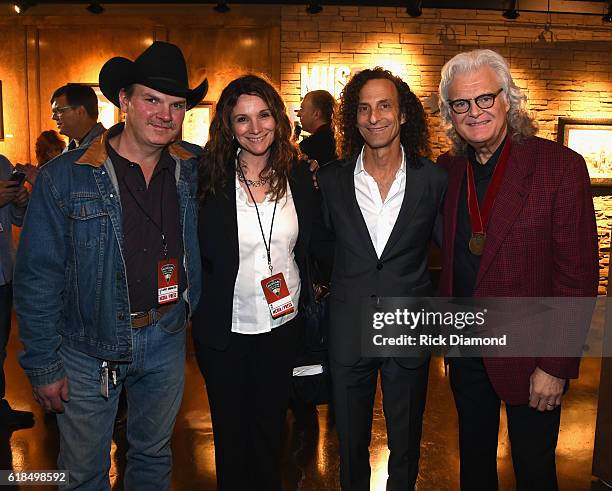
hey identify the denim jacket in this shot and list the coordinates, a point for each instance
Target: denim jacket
(70, 281)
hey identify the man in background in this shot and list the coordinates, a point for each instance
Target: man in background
(13, 201)
(74, 108)
(316, 115)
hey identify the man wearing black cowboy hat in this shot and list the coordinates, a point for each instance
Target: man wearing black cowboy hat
(103, 304)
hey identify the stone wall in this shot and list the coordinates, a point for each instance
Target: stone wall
(603, 211)
(561, 61)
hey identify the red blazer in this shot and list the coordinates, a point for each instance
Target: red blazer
(541, 242)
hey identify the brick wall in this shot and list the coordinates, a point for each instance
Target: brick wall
(565, 69)
(568, 74)
(603, 212)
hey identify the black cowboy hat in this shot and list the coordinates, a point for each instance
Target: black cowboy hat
(160, 67)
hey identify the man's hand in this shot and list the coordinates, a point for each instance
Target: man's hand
(31, 172)
(545, 391)
(313, 165)
(8, 192)
(52, 397)
(22, 198)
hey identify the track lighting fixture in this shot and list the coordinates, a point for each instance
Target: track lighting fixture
(21, 7)
(511, 13)
(414, 8)
(314, 8)
(95, 8)
(222, 8)
(608, 17)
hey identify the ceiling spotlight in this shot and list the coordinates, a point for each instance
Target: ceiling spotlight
(314, 8)
(608, 16)
(414, 8)
(21, 7)
(222, 8)
(511, 13)
(95, 8)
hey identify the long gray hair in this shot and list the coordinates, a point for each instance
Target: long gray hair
(520, 123)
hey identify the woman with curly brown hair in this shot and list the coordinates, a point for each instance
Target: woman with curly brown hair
(257, 208)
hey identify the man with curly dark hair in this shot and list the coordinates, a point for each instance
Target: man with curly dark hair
(382, 202)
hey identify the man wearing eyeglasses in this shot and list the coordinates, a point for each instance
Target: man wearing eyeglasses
(518, 222)
(74, 108)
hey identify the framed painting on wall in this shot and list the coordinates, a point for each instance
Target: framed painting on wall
(591, 138)
(108, 114)
(197, 123)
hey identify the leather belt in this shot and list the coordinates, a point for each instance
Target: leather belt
(142, 319)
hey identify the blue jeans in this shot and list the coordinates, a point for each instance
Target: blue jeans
(154, 383)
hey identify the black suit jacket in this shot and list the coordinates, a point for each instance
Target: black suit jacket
(359, 277)
(218, 237)
(320, 146)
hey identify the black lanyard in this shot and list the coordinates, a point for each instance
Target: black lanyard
(268, 244)
(160, 227)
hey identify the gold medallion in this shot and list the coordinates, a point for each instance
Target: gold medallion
(477, 244)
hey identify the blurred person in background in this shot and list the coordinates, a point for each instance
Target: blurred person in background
(74, 108)
(316, 115)
(13, 201)
(49, 145)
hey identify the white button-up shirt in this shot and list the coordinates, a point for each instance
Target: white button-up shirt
(380, 216)
(251, 314)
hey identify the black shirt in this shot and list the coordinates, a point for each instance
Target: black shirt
(321, 145)
(145, 211)
(466, 264)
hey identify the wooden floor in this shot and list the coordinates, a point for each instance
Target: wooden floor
(311, 448)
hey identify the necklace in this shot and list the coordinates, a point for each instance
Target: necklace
(262, 181)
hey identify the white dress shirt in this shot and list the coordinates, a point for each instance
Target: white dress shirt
(251, 314)
(380, 216)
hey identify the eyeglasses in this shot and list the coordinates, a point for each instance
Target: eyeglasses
(56, 111)
(484, 101)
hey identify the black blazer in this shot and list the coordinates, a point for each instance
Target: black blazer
(218, 237)
(359, 277)
(320, 146)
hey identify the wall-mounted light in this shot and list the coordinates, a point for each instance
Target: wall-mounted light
(547, 35)
(21, 7)
(448, 36)
(314, 8)
(95, 8)
(511, 13)
(414, 8)
(222, 8)
(608, 17)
